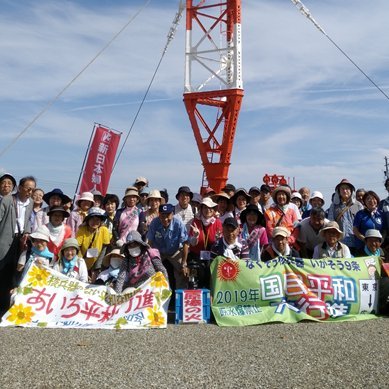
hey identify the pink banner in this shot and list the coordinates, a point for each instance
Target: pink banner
(101, 157)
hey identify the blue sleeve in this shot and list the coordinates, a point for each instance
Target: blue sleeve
(151, 231)
(358, 219)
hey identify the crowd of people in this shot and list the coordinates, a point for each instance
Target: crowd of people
(105, 240)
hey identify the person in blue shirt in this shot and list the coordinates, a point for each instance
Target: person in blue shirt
(168, 234)
(368, 218)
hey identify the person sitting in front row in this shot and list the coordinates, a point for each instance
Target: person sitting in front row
(332, 247)
(279, 246)
(373, 242)
(229, 245)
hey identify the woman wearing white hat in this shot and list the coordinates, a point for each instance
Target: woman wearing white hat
(37, 250)
(373, 241)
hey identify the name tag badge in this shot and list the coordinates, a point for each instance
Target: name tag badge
(92, 253)
(205, 255)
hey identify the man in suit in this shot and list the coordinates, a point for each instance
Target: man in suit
(15, 226)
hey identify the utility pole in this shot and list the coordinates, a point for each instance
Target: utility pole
(386, 172)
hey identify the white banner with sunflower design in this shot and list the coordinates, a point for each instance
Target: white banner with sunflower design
(46, 298)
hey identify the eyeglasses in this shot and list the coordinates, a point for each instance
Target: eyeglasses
(28, 189)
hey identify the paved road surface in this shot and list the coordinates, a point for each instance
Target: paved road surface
(303, 355)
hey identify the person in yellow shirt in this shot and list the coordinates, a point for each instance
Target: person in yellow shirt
(93, 238)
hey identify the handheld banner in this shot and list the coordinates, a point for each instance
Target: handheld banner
(101, 157)
(46, 298)
(289, 290)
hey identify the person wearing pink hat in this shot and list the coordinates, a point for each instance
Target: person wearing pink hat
(77, 216)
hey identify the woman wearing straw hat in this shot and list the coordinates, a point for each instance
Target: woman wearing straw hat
(146, 217)
(332, 247)
(127, 218)
(281, 215)
(69, 263)
(224, 206)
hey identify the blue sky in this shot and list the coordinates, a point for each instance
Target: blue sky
(307, 112)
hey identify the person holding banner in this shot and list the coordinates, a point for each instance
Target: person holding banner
(279, 246)
(37, 251)
(332, 247)
(76, 218)
(70, 263)
(230, 245)
(93, 238)
(373, 241)
(140, 263)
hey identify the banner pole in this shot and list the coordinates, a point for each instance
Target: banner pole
(83, 164)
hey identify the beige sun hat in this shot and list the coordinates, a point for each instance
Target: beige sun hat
(332, 225)
(280, 231)
(131, 192)
(114, 252)
(42, 233)
(154, 194)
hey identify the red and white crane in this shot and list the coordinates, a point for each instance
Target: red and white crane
(213, 82)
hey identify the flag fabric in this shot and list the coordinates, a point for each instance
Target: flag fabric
(101, 157)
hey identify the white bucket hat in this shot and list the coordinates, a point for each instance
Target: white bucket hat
(42, 233)
(371, 233)
(318, 195)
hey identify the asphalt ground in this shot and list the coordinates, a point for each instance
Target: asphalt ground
(302, 355)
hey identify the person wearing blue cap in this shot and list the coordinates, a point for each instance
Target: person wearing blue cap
(168, 234)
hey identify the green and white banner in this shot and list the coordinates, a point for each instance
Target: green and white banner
(46, 298)
(289, 290)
